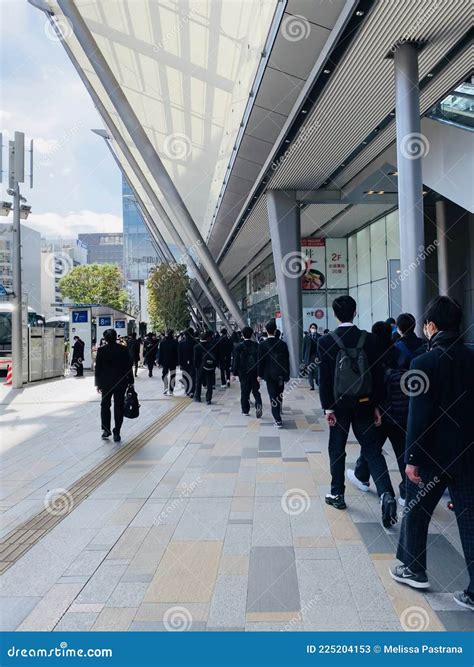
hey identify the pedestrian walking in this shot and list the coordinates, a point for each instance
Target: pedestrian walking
(205, 364)
(113, 374)
(186, 361)
(274, 368)
(439, 445)
(77, 360)
(168, 360)
(310, 355)
(351, 389)
(245, 365)
(133, 348)
(150, 350)
(224, 350)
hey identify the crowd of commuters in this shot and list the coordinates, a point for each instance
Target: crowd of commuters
(368, 381)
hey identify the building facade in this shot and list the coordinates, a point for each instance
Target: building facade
(103, 248)
(58, 257)
(30, 264)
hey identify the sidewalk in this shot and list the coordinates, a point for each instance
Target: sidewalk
(217, 523)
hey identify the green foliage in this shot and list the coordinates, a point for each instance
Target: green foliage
(167, 303)
(95, 283)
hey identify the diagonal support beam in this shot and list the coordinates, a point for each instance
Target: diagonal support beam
(148, 153)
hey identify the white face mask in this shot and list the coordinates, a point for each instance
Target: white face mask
(313, 330)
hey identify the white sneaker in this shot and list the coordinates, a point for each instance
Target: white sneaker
(401, 501)
(223, 386)
(360, 485)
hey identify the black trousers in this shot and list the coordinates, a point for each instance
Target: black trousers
(78, 365)
(362, 422)
(420, 504)
(189, 378)
(275, 392)
(249, 383)
(168, 375)
(206, 379)
(312, 371)
(149, 364)
(225, 371)
(118, 394)
(396, 435)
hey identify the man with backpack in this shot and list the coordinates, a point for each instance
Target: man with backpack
(351, 388)
(245, 362)
(274, 368)
(439, 445)
(186, 361)
(225, 356)
(205, 363)
(168, 360)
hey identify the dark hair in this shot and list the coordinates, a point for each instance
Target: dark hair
(247, 332)
(208, 334)
(134, 334)
(271, 326)
(170, 333)
(445, 313)
(278, 333)
(76, 338)
(406, 323)
(390, 320)
(383, 331)
(344, 308)
(110, 335)
(313, 324)
(223, 331)
(326, 331)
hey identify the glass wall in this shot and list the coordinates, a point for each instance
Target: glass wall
(370, 250)
(139, 256)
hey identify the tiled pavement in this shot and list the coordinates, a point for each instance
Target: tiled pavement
(218, 523)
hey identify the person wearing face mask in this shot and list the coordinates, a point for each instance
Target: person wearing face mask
(310, 355)
(439, 451)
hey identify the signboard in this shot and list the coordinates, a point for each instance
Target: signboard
(79, 316)
(120, 324)
(314, 253)
(105, 321)
(316, 315)
(336, 263)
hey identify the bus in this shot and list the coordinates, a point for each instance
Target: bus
(6, 309)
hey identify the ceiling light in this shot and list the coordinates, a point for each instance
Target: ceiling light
(370, 192)
(326, 71)
(359, 13)
(304, 110)
(430, 75)
(392, 173)
(364, 143)
(381, 192)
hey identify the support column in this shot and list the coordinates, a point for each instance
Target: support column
(285, 234)
(148, 152)
(411, 147)
(442, 247)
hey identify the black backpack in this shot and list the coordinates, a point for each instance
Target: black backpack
(209, 362)
(352, 377)
(131, 406)
(248, 358)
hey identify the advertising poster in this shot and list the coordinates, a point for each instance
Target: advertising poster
(336, 263)
(314, 254)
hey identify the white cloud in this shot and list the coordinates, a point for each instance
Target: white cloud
(53, 225)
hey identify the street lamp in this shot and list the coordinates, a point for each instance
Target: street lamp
(5, 208)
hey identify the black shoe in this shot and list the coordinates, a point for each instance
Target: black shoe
(208, 403)
(150, 375)
(228, 383)
(389, 510)
(311, 388)
(259, 411)
(463, 599)
(336, 501)
(106, 434)
(197, 400)
(117, 437)
(404, 575)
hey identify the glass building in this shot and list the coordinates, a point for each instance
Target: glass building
(139, 256)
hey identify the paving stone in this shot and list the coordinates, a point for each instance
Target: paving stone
(82, 622)
(269, 444)
(47, 613)
(114, 620)
(457, 621)
(128, 594)
(204, 519)
(273, 584)
(14, 610)
(86, 563)
(376, 539)
(271, 526)
(102, 583)
(237, 540)
(229, 602)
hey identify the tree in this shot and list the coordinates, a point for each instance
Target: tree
(167, 304)
(95, 283)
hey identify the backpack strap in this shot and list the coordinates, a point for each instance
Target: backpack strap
(361, 341)
(338, 341)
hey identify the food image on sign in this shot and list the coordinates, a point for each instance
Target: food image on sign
(312, 279)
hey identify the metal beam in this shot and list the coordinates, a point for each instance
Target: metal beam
(148, 153)
(341, 197)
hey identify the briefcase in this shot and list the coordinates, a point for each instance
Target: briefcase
(131, 406)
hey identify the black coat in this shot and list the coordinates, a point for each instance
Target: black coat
(269, 351)
(186, 351)
(150, 349)
(168, 352)
(133, 347)
(440, 421)
(225, 349)
(78, 351)
(202, 348)
(241, 352)
(310, 348)
(113, 367)
(327, 353)
(414, 344)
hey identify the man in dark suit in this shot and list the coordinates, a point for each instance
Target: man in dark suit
(357, 406)
(274, 368)
(310, 354)
(78, 356)
(245, 365)
(439, 444)
(225, 356)
(113, 373)
(205, 364)
(133, 347)
(186, 361)
(168, 360)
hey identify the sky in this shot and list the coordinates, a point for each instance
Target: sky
(77, 186)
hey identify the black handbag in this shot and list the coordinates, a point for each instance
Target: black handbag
(131, 406)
